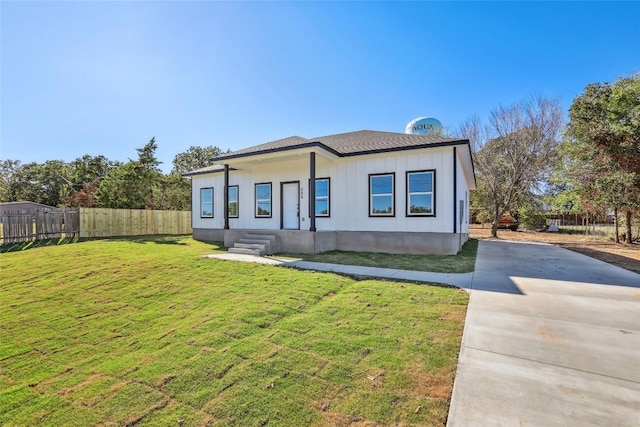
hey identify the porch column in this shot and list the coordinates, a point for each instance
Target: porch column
(226, 196)
(312, 191)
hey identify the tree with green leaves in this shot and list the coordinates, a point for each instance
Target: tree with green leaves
(603, 145)
(95, 181)
(85, 173)
(8, 169)
(87, 169)
(135, 184)
(175, 189)
(44, 183)
(194, 158)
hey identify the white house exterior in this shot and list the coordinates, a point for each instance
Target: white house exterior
(375, 191)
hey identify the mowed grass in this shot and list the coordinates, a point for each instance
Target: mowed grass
(463, 262)
(144, 332)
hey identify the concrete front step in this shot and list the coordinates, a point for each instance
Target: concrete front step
(267, 243)
(251, 246)
(246, 251)
(269, 237)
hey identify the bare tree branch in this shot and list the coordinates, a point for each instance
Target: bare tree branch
(514, 152)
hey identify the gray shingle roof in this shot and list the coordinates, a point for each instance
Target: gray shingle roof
(347, 144)
(291, 141)
(369, 140)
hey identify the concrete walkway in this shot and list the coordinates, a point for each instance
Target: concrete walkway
(552, 338)
(462, 280)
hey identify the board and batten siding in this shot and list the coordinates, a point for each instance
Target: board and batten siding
(349, 192)
(462, 194)
(273, 172)
(215, 181)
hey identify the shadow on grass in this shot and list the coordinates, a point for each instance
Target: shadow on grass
(158, 239)
(177, 240)
(363, 278)
(621, 261)
(23, 246)
(463, 262)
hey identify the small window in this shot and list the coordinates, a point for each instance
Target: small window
(322, 197)
(206, 202)
(381, 194)
(420, 193)
(233, 201)
(263, 200)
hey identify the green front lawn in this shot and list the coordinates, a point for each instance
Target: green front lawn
(144, 332)
(463, 262)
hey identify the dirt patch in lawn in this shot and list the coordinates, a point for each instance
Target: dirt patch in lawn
(622, 255)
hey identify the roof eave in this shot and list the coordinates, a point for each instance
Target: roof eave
(313, 144)
(318, 144)
(202, 172)
(407, 147)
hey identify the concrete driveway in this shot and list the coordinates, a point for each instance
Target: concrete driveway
(552, 338)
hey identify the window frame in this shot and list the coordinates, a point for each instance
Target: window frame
(237, 215)
(328, 197)
(432, 192)
(202, 189)
(393, 195)
(255, 199)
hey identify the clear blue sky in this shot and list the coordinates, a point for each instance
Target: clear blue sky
(84, 77)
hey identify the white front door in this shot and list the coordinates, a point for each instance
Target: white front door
(290, 205)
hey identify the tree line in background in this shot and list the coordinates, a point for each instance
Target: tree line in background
(95, 181)
(526, 157)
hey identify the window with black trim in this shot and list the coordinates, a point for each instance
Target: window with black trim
(206, 202)
(233, 201)
(263, 200)
(323, 191)
(382, 194)
(421, 193)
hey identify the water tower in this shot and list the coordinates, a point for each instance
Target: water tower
(424, 126)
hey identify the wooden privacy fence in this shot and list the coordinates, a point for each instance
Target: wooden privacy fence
(23, 226)
(99, 222)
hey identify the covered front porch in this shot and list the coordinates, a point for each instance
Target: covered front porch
(292, 215)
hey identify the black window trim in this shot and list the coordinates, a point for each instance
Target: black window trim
(212, 203)
(433, 193)
(237, 187)
(255, 199)
(328, 215)
(393, 195)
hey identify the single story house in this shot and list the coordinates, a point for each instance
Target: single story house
(358, 191)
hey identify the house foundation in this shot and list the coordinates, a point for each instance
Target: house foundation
(307, 242)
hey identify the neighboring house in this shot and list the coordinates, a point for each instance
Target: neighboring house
(374, 191)
(6, 207)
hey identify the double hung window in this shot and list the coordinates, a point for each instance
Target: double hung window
(382, 194)
(420, 193)
(263, 200)
(322, 197)
(233, 201)
(206, 203)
